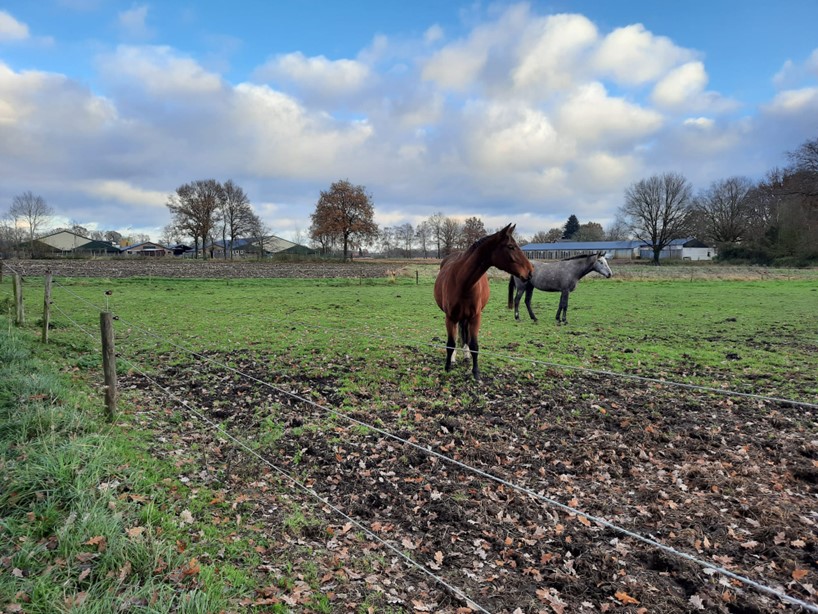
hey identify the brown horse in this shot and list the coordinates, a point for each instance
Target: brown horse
(462, 287)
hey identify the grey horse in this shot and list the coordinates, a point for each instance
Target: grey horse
(560, 277)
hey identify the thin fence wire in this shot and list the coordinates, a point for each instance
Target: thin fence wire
(566, 508)
(306, 489)
(524, 490)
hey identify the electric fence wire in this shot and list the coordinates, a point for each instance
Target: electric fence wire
(552, 502)
(650, 541)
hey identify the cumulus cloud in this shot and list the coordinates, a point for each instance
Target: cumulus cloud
(316, 75)
(10, 29)
(590, 115)
(160, 70)
(552, 53)
(633, 56)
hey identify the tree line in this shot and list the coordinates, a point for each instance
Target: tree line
(773, 220)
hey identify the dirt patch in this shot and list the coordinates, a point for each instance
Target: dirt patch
(174, 268)
(732, 482)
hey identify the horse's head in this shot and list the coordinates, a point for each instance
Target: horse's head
(507, 255)
(601, 266)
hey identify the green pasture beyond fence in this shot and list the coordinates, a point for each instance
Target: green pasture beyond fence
(726, 328)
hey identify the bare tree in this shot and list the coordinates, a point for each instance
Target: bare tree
(435, 225)
(657, 210)
(450, 235)
(724, 209)
(404, 237)
(237, 215)
(195, 207)
(473, 230)
(259, 231)
(423, 234)
(618, 230)
(33, 212)
(551, 236)
(344, 212)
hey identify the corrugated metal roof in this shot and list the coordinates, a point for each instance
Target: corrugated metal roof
(600, 246)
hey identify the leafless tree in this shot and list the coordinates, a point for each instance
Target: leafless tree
(657, 210)
(32, 212)
(404, 237)
(423, 234)
(236, 215)
(450, 235)
(618, 230)
(473, 230)
(344, 212)
(724, 209)
(551, 236)
(195, 207)
(435, 225)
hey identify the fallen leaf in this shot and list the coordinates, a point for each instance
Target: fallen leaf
(99, 541)
(798, 574)
(624, 597)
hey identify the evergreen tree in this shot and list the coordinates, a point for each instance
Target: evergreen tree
(571, 227)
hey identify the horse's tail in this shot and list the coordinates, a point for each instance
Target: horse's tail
(511, 285)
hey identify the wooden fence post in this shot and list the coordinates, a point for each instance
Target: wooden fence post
(18, 299)
(106, 325)
(46, 306)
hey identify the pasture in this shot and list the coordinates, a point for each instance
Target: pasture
(340, 384)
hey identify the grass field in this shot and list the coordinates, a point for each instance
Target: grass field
(754, 336)
(374, 348)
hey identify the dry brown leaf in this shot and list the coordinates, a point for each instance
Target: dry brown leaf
(99, 541)
(625, 598)
(798, 574)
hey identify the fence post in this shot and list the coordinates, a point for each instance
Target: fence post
(46, 306)
(106, 325)
(1, 270)
(18, 299)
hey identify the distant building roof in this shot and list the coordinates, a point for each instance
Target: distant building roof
(585, 245)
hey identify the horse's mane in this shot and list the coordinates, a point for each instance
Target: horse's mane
(477, 243)
(578, 257)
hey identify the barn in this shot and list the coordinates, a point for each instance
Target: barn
(679, 249)
(67, 243)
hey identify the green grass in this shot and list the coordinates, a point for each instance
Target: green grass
(377, 340)
(759, 334)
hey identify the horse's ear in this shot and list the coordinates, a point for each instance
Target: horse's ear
(509, 230)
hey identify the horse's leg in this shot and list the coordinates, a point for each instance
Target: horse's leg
(564, 306)
(529, 292)
(474, 326)
(451, 330)
(517, 303)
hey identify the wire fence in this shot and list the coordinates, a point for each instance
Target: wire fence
(143, 330)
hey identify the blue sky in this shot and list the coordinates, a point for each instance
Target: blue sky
(511, 112)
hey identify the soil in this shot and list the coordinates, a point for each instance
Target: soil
(732, 482)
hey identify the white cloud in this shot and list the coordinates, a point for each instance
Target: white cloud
(317, 75)
(633, 55)
(794, 101)
(10, 29)
(552, 53)
(681, 85)
(501, 137)
(159, 70)
(591, 116)
(792, 74)
(278, 136)
(123, 192)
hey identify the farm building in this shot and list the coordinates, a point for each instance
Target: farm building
(147, 249)
(272, 245)
(67, 243)
(680, 249)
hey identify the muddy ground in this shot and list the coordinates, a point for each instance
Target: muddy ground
(732, 482)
